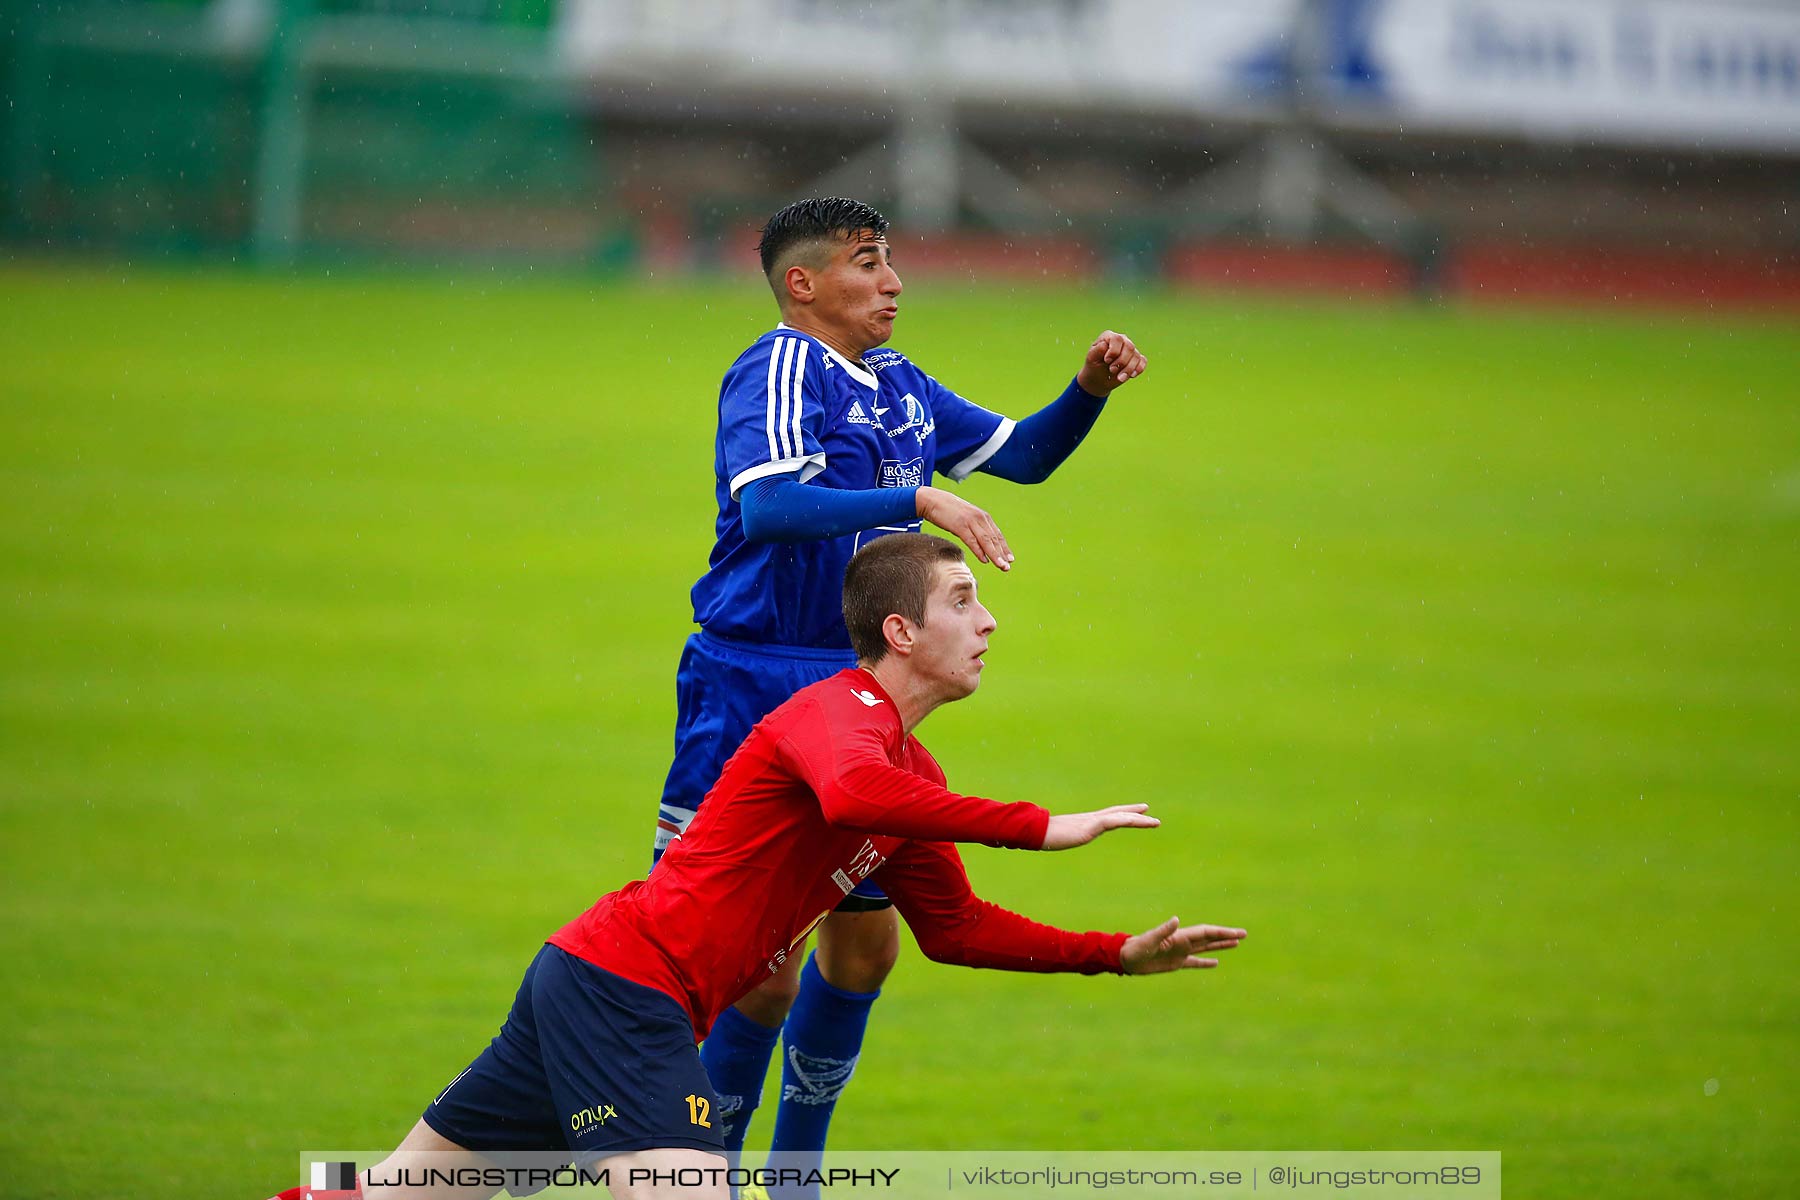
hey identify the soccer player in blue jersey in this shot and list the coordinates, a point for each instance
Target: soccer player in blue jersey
(825, 441)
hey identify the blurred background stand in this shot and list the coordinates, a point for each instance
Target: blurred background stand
(931, 172)
(1506, 148)
(1291, 183)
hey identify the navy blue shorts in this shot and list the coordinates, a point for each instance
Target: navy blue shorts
(723, 688)
(588, 1061)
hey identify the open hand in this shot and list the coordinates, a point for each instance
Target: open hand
(1068, 830)
(1172, 947)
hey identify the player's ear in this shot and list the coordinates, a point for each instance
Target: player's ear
(799, 284)
(898, 633)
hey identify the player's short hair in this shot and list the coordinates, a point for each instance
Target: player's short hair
(806, 229)
(892, 574)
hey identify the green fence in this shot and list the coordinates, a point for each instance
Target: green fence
(279, 129)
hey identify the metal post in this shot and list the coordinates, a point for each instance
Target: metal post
(926, 166)
(926, 179)
(281, 157)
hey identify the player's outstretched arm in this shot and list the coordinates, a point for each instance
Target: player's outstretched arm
(1042, 442)
(1068, 830)
(1172, 946)
(953, 925)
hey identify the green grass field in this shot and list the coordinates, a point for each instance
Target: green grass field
(1457, 651)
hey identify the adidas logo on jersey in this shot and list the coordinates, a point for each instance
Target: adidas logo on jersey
(859, 415)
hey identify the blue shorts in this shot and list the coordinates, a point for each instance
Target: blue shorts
(588, 1061)
(723, 688)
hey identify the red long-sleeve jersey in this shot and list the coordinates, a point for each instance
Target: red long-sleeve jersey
(825, 791)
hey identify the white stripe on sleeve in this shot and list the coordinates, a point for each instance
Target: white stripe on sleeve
(983, 452)
(799, 446)
(801, 468)
(774, 354)
(790, 351)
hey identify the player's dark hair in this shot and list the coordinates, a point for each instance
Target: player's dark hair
(892, 574)
(815, 220)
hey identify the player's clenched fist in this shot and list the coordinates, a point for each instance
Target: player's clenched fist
(1111, 361)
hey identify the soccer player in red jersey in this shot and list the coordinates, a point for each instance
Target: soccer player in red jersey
(598, 1053)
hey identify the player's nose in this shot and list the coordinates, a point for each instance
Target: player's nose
(892, 286)
(985, 621)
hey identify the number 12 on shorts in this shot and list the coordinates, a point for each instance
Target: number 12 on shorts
(699, 1109)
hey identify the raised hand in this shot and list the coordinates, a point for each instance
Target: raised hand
(1111, 361)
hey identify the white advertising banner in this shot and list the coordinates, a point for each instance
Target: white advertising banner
(1131, 54)
(1706, 72)
(1688, 72)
